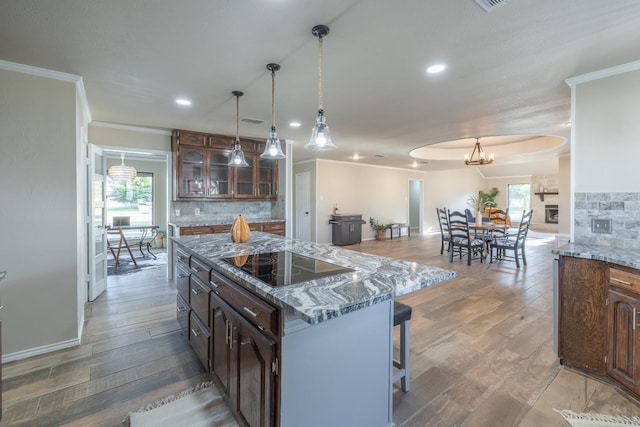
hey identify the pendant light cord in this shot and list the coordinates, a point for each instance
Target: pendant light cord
(237, 119)
(320, 107)
(273, 96)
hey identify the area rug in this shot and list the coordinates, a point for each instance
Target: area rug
(577, 419)
(200, 406)
(125, 266)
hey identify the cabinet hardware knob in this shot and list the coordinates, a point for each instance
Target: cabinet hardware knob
(214, 284)
(196, 292)
(195, 332)
(250, 311)
(180, 309)
(182, 276)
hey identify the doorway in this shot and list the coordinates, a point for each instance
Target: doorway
(416, 204)
(303, 206)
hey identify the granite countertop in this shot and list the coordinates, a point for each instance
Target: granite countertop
(375, 279)
(218, 221)
(625, 257)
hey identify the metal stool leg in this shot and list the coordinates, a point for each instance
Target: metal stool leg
(403, 364)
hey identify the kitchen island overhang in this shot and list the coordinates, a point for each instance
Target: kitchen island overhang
(336, 344)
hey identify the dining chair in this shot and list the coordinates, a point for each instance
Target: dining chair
(461, 238)
(517, 245)
(445, 236)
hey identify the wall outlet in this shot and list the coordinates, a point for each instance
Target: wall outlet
(601, 226)
(197, 211)
(177, 212)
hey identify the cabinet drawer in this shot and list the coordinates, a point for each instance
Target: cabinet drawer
(182, 258)
(182, 281)
(193, 139)
(625, 280)
(200, 299)
(183, 315)
(194, 231)
(273, 227)
(200, 269)
(259, 312)
(199, 336)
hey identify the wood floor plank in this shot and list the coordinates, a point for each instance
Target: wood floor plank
(481, 351)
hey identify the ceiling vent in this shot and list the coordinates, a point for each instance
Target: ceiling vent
(489, 5)
(251, 120)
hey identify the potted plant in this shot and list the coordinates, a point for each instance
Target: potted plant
(380, 229)
(489, 199)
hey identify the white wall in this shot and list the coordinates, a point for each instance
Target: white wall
(38, 212)
(607, 130)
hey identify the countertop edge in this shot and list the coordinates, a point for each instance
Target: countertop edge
(624, 257)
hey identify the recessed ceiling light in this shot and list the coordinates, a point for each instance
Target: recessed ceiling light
(437, 68)
(183, 101)
(294, 124)
(356, 156)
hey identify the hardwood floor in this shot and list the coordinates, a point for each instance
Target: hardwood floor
(481, 351)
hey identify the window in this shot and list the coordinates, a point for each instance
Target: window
(130, 201)
(518, 199)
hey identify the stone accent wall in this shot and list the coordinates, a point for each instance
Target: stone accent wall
(225, 212)
(622, 208)
(539, 183)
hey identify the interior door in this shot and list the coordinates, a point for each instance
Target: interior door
(96, 222)
(415, 205)
(303, 206)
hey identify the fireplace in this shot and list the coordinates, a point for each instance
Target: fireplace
(550, 214)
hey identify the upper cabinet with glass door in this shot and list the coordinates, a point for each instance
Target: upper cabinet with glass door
(201, 170)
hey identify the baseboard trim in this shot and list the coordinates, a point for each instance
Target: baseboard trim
(19, 355)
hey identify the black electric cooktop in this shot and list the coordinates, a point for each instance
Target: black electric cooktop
(285, 268)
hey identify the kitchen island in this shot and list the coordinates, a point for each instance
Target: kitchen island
(316, 352)
(598, 294)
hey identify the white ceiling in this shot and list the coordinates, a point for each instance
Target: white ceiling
(505, 69)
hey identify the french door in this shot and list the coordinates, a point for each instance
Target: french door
(96, 223)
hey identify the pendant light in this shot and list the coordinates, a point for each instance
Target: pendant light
(237, 156)
(122, 172)
(272, 149)
(320, 136)
(478, 157)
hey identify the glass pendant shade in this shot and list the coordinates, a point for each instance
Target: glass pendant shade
(122, 172)
(320, 136)
(272, 149)
(237, 156)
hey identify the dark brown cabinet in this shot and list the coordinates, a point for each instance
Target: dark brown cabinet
(582, 293)
(236, 336)
(623, 355)
(201, 169)
(276, 227)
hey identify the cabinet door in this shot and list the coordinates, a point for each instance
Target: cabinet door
(221, 346)
(245, 183)
(582, 322)
(219, 174)
(190, 172)
(622, 357)
(267, 186)
(192, 138)
(256, 370)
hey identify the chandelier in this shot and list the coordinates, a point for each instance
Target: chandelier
(272, 149)
(237, 156)
(320, 137)
(122, 172)
(478, 157)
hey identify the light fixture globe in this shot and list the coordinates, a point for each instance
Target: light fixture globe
(272, 148)
(122, 172)
(237, 156)
(320, 137)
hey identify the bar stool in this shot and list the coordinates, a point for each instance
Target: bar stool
(402, 316)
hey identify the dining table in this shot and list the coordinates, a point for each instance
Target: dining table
(140, 235)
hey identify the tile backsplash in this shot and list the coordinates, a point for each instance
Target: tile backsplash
(623, 209)
(223, 212)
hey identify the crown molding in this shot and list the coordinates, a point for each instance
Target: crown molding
(600, 74)
(130, 128)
